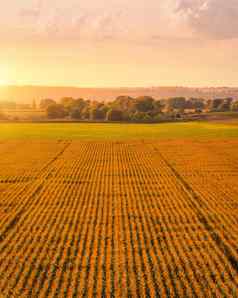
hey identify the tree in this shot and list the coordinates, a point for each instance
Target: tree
(161, 117)
(114, 115)
(226, 105)
(195, 103)
(75, 113)
(221, 104)
(123, 103)
(79, 103)
(56, 111)
(234, 106)
(45, 103)
(76, 107)
(144, 104)
(98, 112)
(85, 113)
(67, 102)
(215, 103)
(141, 117)
(158, 106)
(177, 103)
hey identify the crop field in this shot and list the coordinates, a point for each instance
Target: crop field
(118, 131)
(152, 218)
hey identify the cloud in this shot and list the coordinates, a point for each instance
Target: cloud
(122, 20)
(32, 11)
(99, 26)
(81, 24)
(211, 18)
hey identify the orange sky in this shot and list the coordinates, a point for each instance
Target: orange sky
(116, 43)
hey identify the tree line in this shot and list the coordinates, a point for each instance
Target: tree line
(139, 109)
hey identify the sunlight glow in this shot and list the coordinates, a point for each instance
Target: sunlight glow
(3, 82)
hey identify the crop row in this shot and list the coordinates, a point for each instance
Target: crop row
(119, 219)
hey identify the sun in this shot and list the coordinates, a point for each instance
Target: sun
(3, 82)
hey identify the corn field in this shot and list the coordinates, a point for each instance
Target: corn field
(119, 219)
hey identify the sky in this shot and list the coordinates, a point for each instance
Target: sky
(112, 43)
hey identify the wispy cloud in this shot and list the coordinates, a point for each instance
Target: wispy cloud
(80, 24)
(211, 18)
(99, 20)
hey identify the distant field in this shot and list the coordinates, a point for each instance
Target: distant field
(90, 131)
(27, 114)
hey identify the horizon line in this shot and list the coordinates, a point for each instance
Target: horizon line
(119, 87)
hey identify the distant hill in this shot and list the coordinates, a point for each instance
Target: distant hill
(26, 94)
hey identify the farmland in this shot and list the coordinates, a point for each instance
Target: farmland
(118, 131)
(24, 114)
(119, 218)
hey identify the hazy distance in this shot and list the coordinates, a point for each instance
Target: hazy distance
(25, 94)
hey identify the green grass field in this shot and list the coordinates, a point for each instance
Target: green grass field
(89, 131)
